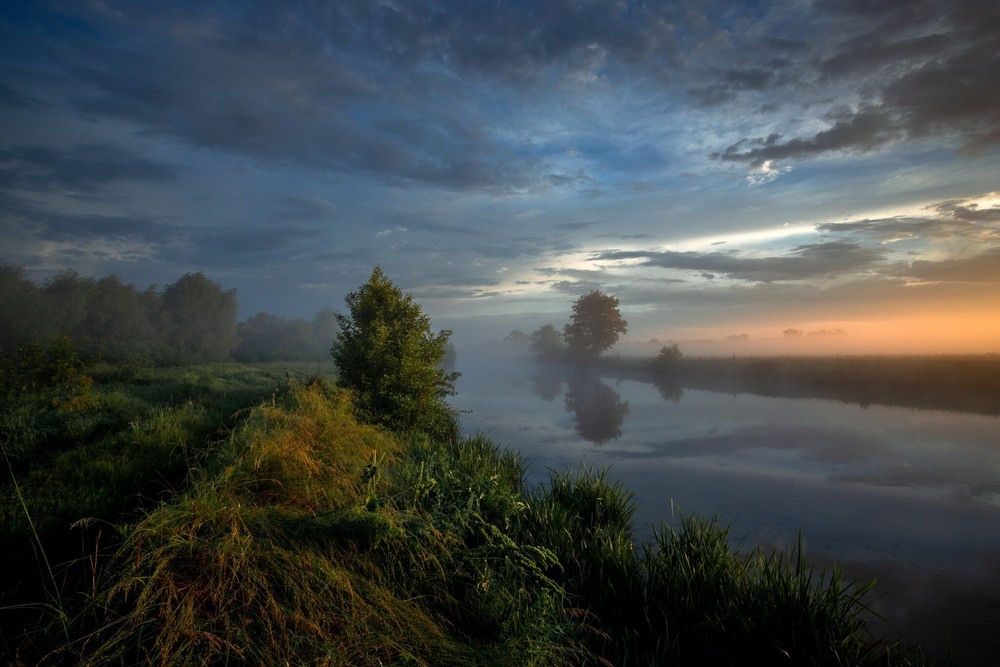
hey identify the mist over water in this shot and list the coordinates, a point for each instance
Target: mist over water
(909, 496)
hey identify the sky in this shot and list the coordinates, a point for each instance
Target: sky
(770, 174)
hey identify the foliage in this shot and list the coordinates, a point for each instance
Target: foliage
(267, 337)
(517, 338)
(386, 353)
(595, 326)
(547, 342)
(202, 317)
(191, 320)
(669, 356)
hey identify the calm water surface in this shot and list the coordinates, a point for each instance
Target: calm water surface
(911, 497)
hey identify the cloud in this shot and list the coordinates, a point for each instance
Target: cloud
(765, 172)
(913, 72)
(980, 268)
(87, 167)
(805, 261)
(354, 86)
(856, 132)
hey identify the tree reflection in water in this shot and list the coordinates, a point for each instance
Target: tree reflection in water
(598, 410)
(548, 381)
(669, 387)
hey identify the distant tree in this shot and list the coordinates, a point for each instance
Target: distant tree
(324, 327)
(19, 303)
(596, 325)
(517, 338)
(202, 318)
(669, 356)
(386, 353)
(117, 324)
(547, 342)
(68, 297)
(260, 338)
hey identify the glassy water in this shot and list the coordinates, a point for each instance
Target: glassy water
(910, 497)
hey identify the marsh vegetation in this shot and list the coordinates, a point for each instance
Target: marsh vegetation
(243, 514)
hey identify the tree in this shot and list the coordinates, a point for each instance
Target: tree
(595, 327)
(668, 357)
(19, 303)
(517, 338)
(202, 318)
(386, 353)
(546, 342)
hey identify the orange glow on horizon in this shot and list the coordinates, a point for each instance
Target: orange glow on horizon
(946, 333)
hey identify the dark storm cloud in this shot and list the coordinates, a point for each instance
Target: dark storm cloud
(11, 97)
(34, 220)
(254, 241)
(921, 69)
(346, 86)
(805, 261)
(856, 132)
(394, 90)
(82, 167)
(294, 207)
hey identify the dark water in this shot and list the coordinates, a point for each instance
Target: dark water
(910, 497)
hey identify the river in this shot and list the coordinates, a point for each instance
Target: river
(910, 497)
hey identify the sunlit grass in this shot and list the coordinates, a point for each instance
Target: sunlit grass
(248, 518)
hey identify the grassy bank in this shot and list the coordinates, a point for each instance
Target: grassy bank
(290, 532)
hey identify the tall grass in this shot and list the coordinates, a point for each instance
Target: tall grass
(294, 546)
(687, 597)
(88, 447)
(297, 534)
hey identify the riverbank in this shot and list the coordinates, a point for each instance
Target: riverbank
(960, 383)
(289, 531)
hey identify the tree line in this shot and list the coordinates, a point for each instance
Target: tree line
(191, 320)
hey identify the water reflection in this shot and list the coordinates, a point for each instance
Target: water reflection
(909, 496)
(547, 381)
(669, 386)
(598, 410)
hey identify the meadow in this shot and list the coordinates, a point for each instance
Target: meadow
(243, 514)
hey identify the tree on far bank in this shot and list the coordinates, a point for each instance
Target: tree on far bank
(546, 342)
(668, 357)
(385, 352)
(596, 325)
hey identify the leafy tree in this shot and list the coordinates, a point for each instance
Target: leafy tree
(19, 303)
(202, 318)
(68, 296)
(546, 342)
(595, 327)
(517, 338)
(117, 324)
(669, 356)
(385, 352)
